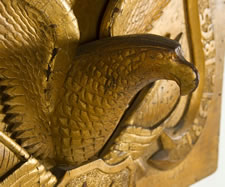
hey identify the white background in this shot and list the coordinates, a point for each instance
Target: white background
(218, 178)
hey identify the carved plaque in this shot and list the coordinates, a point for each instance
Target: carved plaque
(108, 93)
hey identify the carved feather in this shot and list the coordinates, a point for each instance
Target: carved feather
(28, 35)
(123, 17)
(7, 160)
(62, 105)
(32, 173)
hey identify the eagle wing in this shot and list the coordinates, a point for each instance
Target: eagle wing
(31, 33)
(124, 17)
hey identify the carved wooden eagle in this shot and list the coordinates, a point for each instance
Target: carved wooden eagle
(62, 101)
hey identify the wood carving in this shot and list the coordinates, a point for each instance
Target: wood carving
(96, 95)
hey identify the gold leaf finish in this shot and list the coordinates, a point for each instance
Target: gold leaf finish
(98, 173)
(143, 114)
(100, 93)
(131, 16)
(100, 87)
(30, 173)
(7, 160)
(70, 125)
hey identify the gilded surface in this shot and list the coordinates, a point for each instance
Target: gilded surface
(30, 171)
(92, 179)
(98, 173)
(140, 114)
(202, 160)
(96, 91)
(74, 89)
